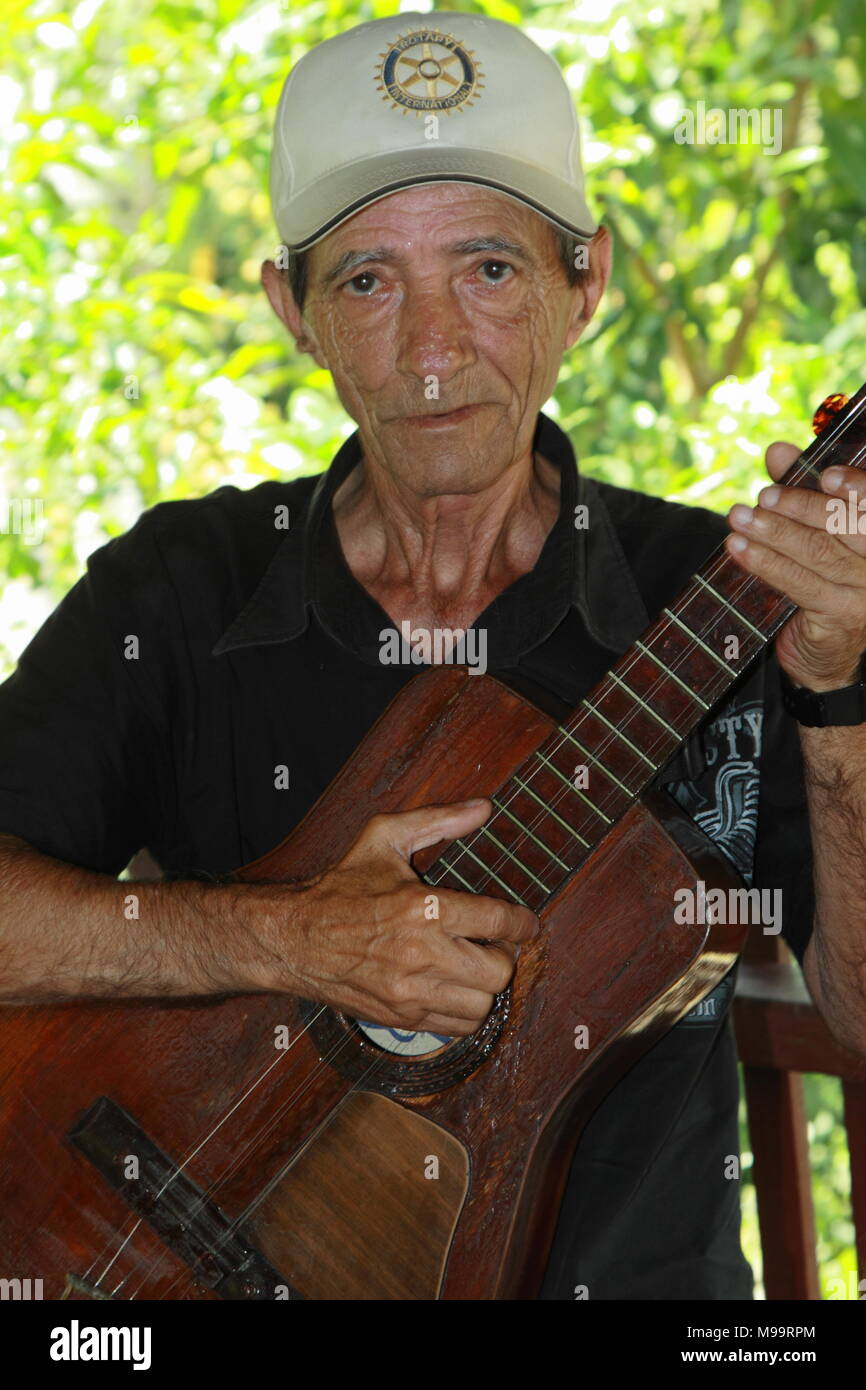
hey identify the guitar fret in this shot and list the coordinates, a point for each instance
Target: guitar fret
(550, 811)
(562, 777)
(449, 869)
(695, 638)
(606, 770)
(647, 651)
(492, 872)
(670, 728)
(619, 733)
(514, 858)
(741, 617)
(526, 831)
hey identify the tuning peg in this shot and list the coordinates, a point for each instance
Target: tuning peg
(829, 407)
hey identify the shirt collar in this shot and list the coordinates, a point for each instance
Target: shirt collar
(582, 554)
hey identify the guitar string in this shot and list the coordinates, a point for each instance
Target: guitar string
(746, 580)
(254, 1142)
(604, 801)
(180, 1168)
(323, 1064)
(805, 469)
(606, 685)
(281, 1173)
(188, 1158)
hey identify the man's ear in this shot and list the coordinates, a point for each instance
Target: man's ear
(282, 301)
(588, 294)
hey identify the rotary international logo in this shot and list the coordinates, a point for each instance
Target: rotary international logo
(428, 71)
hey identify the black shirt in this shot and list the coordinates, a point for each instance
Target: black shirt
(198, 689)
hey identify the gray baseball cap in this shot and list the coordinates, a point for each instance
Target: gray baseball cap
(421, 99)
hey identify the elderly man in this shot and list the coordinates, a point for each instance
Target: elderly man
(197, 691)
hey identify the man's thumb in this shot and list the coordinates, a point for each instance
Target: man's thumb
(409, 831)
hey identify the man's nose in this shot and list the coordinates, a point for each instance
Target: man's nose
(435, 336)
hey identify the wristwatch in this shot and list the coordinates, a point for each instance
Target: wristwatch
(823, 708)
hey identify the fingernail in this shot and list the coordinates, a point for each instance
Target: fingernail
(476, 801)
(770, 496)
(833, 477)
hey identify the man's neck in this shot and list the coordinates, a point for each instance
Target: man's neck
(438, 561)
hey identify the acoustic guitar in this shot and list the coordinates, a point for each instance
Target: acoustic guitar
(262, 1147)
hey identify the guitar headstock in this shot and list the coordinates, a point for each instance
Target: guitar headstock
(828, 410)
(840, 424)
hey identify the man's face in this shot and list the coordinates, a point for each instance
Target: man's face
(442, 313)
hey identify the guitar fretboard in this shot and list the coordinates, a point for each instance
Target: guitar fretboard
(564, 798)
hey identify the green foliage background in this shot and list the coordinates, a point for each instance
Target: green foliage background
(139, 360)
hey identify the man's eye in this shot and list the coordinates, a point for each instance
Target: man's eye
(495, 269)
(361, 284)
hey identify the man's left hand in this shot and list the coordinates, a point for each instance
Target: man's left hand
(788, 544)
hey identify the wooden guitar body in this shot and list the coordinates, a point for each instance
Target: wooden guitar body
(312, 1163)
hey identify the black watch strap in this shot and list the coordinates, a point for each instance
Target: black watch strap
(823, 708)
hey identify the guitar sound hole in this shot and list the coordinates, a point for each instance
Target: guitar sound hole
(403, 1043)
(381, 1059)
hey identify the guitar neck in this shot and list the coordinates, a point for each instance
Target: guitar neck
(562, 800)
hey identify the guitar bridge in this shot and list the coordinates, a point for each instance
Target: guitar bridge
(84, 1290)
(192, 1226)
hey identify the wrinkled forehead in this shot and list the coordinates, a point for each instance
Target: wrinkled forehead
(438, 214)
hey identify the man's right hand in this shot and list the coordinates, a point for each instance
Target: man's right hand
(371, 949)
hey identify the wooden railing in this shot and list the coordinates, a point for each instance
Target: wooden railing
(781, 1035)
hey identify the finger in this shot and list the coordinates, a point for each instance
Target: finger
(487, 968)
(461, 1003)
(779, 457)
(826, 556)
(409, 831)
(445, 1024)
(844, 496)
(447, 1027)
(488, 919)
(831, 511)
(840, 478)
(510, 948)
(804, 586)
(798, 503)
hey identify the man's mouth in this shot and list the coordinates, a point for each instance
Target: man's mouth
(443, 417)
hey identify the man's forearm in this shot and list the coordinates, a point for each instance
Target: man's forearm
(68, 933)
(835, 767)
(356, 937)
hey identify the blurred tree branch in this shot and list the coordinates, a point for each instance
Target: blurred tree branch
(791, 123)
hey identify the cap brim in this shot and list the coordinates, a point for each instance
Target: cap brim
(336, 197)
